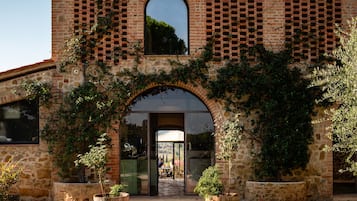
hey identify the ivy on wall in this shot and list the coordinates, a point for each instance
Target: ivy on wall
(279, 94)
(283, 102)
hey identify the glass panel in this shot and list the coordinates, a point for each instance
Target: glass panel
(134, 161)
(168, 100)
(153, 155)
(19, 122)
(166, 27)
(199, 147)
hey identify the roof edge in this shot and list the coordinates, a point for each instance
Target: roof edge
(24, 70)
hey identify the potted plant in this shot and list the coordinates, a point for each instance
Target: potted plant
(209, 185)
(96, 159)
(9, 175)
(228, 146)
(116, 193)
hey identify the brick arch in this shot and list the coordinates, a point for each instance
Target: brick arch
(185, 1)
(197, 90)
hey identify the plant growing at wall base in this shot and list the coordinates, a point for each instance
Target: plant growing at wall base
(85, 113)
(338, 81)
(9, 175)
(229, 143)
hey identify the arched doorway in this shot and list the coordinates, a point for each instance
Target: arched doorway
(166, 142)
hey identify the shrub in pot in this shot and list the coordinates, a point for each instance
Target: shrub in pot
(116, 193)
(209, 185)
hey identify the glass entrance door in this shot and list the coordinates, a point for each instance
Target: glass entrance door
(199, 147)
(170, 111)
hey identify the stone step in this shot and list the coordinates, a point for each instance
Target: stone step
(345, 197)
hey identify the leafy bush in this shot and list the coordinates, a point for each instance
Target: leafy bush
(116, 189)
(338, 81)
(9, 175)
(209, 183)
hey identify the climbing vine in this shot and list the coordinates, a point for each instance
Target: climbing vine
(280, 97)
(279, 94)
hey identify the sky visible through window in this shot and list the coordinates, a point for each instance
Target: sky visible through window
(25, 33)
(173, 12)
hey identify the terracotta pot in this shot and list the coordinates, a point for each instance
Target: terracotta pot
(230, 197)
(212, 198)
(100, 197)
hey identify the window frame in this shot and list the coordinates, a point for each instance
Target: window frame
(34, 133)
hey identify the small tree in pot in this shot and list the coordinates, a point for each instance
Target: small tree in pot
(96, 159)
(229, 144)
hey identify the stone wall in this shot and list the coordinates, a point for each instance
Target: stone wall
(35, 181)
(275, 191)
(237, 22)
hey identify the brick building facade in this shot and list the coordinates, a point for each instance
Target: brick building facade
(232, 23)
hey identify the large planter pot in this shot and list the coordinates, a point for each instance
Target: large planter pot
(100, 197)
(272, 191)
(74, 191)
(212, 198)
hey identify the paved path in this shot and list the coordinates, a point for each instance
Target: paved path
(343, 197)
(166, 198)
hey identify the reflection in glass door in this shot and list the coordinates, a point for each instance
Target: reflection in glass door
(179, 162)
(199, 147)
(134, 171)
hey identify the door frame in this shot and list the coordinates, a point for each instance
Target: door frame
(153, 170)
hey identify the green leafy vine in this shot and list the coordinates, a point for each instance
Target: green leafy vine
(278, 93)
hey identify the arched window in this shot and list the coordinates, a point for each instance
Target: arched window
(166, 27)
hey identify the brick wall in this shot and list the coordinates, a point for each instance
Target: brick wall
(62, 24)
(233, 25)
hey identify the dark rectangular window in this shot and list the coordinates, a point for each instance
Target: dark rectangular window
(19, 123)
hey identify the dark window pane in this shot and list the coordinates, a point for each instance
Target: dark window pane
(19, 122)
